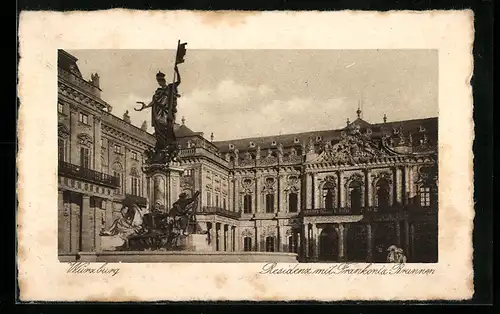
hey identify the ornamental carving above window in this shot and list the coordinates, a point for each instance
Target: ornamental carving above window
(62, 131)
(85, 139)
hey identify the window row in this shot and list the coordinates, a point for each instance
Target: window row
(269, 203)
(217, 201)
(270, 242)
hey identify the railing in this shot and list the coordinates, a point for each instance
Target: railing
(135, 199)
(219, 211)
(85, 174)
(368, 210)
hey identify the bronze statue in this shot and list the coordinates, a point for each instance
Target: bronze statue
(163, 110)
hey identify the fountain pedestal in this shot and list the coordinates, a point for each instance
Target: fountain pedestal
(163, 184)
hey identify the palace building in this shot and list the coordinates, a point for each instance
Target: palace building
(333, 195)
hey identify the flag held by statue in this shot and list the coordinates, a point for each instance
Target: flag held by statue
(181, 53)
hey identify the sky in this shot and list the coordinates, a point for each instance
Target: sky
(246, 93)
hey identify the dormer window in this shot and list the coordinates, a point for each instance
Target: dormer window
(421, 129)
(189, 144)
(273, 143)
(296, 140)
(369, 131)
(231, 146)
(252, 144)
(318, 138)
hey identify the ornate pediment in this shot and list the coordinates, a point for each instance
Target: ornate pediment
(353, 148)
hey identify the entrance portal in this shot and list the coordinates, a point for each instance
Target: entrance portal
(328, 244)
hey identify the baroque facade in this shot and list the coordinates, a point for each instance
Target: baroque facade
(335, 195)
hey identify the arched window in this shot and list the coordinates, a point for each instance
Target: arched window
(118, 172)
(247, 204)
(247, 244)
(329, 195)
(292, 202)
(383, 194)
(269, 244)
(355, 194)
(269, 203)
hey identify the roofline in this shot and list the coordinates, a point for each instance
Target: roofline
(302, 133)
(67, 54)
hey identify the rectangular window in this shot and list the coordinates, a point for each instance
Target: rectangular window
(118, 149)
(216, 200)
(209, 199)
(247, 244)
(119, 176)
(85, 157)
(60, 107)
(247, 204)
(224, 203)
(292, 202)
(269, 203)
(62, 149)
(83, 118)
(270, 244)
(134, 155)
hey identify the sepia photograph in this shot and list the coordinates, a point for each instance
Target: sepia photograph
(245, 156)
(248, 155)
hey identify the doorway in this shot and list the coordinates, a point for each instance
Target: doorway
(328, 244)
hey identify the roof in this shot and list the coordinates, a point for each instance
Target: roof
(67, 62)
(295, 139)
(183, 131)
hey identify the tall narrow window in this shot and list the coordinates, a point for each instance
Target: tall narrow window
(355, 194)
(425, 196)
(60, 107)
(209, 199)
(216, 200)
(329, 195)
(247, 204)
(269, 203)
(247, 244)
(134, 186)
(120, 180)
(269, 244)
(383, 194)
(62, 149)
(85, 157)
(224, 203)
(134, 155)
(292, 202)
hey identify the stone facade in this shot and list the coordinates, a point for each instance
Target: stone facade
(335, 195)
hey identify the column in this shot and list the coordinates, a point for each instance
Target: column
(88, 225)
(236, 195)
(257, 205)
(108, 208)
(281, 238)
(369, 242)
(395, 184)
(412, 241)
(308, 191)
(407, 237)
(305, 240)
(399, 185)
(73, 132)
(398, 233)
(63, 224)
(406, 185)
(280, 195)
(99, 224)
(317, 232)
(299, 244)
(257, 239)
(369, 189)
(97, 143)
(313, 189)
(217, 237)
(75, 223)
(341, 196)
(410, 183)
(341, 242)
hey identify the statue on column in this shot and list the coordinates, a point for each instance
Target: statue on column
(163, 110)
